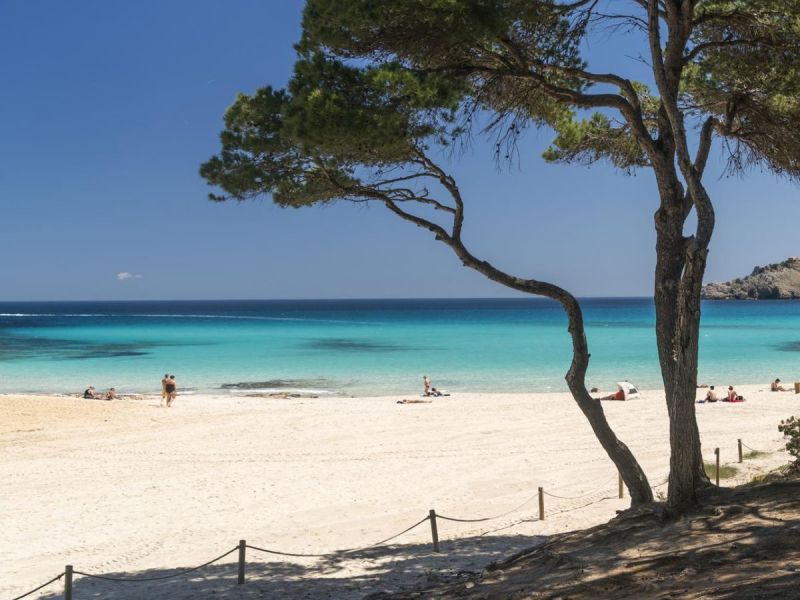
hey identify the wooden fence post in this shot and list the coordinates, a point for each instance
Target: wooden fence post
(621, 489)
(716, 451)
(740, 449)
(541, 504)
(242, 550)
(434, 531)
(68, 582)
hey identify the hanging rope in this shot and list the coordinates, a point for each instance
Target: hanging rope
(160, 577)
(26, 594)
(347, 551)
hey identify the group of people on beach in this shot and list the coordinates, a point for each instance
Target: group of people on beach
(169, 389)
(711, 396)
(92, 394)
(429, 390)
(733, 396)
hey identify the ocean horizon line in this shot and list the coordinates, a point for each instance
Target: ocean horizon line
(360, 299)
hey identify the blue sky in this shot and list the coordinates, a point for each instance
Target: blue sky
(107, 108)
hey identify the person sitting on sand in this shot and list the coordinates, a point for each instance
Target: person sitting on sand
(733, 396)
(777, 387)
(111, 394)
(90, 394)
(711, 395)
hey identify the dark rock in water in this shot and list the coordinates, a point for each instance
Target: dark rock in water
(278, 384)
(788, 346)
(779, 281)
(353, 345)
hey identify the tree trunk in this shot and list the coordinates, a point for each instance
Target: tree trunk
(627, 465)
(679, 273)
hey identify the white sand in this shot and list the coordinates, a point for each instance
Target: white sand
(129, 489)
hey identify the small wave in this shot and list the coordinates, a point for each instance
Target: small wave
(186, 316)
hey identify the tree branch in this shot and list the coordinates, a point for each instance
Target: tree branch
(704, 146)
(700, 48)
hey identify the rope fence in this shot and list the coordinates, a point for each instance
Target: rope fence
(36, 589)
(160, 577)
(432, 517)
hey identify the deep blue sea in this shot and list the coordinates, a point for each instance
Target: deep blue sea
(363, 347)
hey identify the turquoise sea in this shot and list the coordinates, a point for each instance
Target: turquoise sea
(363, 347)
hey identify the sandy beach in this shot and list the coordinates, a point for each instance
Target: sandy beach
(128, 489)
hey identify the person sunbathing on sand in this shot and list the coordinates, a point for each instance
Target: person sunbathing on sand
(618, 395)
(90, 393)
(111, 394)
(733, 396)
(777, 387)
(711, 396)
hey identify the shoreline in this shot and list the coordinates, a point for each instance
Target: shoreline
(125, 487)
(338, 394)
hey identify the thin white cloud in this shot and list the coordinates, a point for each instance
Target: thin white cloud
(124, 275)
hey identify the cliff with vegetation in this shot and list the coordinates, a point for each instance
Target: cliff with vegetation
(772, 282)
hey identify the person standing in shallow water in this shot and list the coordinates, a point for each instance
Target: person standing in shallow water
(171, 388)
(426, 386)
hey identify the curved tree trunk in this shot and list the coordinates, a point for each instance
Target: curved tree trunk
(632, 474)
(620, 454)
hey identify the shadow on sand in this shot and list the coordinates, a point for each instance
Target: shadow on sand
(386, 569)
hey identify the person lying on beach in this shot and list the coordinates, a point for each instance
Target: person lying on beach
(414, 401)
(90, 394)
(711, 396)
(111, 394)
(777, 387)
(618, 395)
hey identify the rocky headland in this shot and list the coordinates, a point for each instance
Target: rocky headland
(772, 282)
